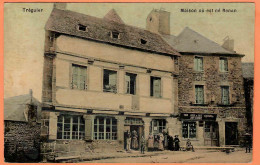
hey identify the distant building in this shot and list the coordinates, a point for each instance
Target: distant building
(102, 78)
(211, 103)
(248, 75)
(22, 129)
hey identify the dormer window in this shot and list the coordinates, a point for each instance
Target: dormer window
(143, 41)
(82, 27)
(115, 35)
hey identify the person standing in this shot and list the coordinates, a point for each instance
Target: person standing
(161, 139)
(128, 141)
(170, 142)
(142, 145)
(176, 143)
(248, 142)
(150, 142)
(134, 140)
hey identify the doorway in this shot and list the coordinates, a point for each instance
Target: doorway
(231, 133)
(211, 135)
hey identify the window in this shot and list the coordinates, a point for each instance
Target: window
(82, 28)
(158, 125)
(198, 64)
(225, 95)
(105, 128)
(115, 35)
(199, 94)
(143, 41)
(109, 81)
(70, 127)
(130, 83)
(79, 74)
(189, 129)
(155, 87)
(223, 64)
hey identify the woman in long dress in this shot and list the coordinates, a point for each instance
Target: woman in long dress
(160, 147)
(150, 142)
(134, 140)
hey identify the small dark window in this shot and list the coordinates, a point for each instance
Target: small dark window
(143, 41)
(151, 19)
(82, 27)
(115, 35)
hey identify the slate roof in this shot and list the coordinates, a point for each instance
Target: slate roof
(98, 29)
(14, 107)
(248, 70)
(189, 41)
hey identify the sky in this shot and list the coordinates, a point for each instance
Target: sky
(24, 32)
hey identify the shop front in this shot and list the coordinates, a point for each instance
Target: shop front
(201, 129)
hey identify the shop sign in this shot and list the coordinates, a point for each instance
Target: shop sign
(198, 116)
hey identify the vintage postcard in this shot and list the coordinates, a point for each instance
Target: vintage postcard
(128, 82)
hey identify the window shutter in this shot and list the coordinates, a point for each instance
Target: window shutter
(75, 77)
(157, 87)
(226, 65)
(127, 83)
(200, 64)
(195, 63)
(112, 79)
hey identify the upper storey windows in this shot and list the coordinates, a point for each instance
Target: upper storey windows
(223, 65)
(198, 64)
(79, 75)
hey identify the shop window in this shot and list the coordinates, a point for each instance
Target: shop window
(110, 81)
(130, 83)
(70, 127)
(158, 125)
(223, 64)
(79, 74)
(155, 89)
(189, 129)
(105, 128)
(199, 94)
(225, 95)
(198, 64)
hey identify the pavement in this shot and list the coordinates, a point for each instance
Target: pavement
(199, 156)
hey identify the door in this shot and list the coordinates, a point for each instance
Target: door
(231, 133)
(211, 133)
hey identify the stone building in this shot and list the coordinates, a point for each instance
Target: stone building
(211, 103)
(102, 78)
(22, 129)
(248, 75)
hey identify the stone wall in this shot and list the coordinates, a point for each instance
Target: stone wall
(213, 79)
(21, 141)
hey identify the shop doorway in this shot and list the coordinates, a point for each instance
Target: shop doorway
(211, 136)
(136, 129)
(231, 133)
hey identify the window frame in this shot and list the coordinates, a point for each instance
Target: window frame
(222, 88)
(72, 77)
(126, 83)
(116, 79)
(112, 134)
(188, 129)
(160, 124)
(222, 66)
(197, 67)
(80, 132)
(152, 87)
(203, 94)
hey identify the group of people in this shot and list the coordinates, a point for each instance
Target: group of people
(157, 142)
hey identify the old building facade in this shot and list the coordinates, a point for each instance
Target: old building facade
(22, 129)
(211, 103)
(101, 79)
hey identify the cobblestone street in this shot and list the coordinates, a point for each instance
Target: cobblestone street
(200, 156)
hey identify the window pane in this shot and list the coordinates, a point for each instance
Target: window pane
(156, 86)
(110, 81)
(78, 77)
(66, 119)
(199, 94)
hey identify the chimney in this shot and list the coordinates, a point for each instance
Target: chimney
(61, 6)
(228, 44)
(158, 21)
